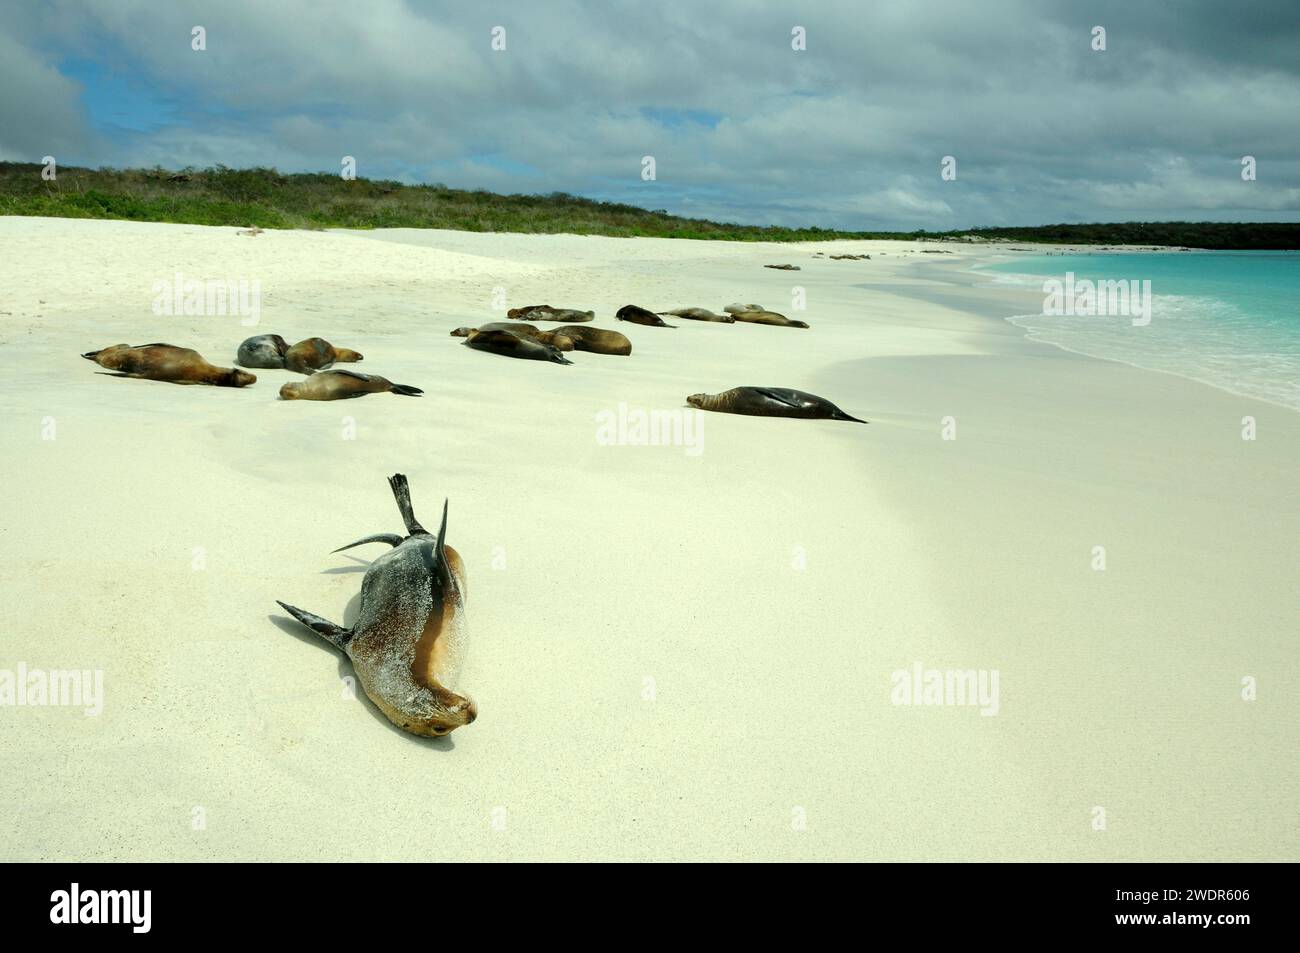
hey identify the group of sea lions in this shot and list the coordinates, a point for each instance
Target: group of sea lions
(182, 365)
(408, 641)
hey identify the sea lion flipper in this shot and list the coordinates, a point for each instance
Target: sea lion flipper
(774, 393)
(392, 539)
(402, 493)
(335, 635)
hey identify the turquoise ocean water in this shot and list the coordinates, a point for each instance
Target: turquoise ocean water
(1230, 319)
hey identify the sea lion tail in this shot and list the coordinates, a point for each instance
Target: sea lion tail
(402, 493)
(406, 390)
(841, 415)
(392, 539)
(335, 635)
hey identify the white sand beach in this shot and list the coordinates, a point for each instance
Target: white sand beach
(676, 652)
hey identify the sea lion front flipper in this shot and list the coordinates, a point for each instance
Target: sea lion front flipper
(357, 374)
(775, 394)
(392, 539)
(335, 635)
(402, 493)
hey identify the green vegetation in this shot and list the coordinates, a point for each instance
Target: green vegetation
(269, 199)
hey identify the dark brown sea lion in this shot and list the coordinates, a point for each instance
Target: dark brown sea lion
(314, 354)
(544, 312)
(595, 340)
(510, 344)
(264, 350)
(340, 384)
(557, 338)
(408, 643)
(770, 402)
(700, 314)
(167, 362)
(630, 312)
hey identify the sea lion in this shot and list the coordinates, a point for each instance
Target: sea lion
(511, 344)
(737, 308)
(264, 350)
(314, 354)
(557, 338)
(630, 312)
(784, 267)
(167, 362)
(595, 340)
(408, 641)
(770, 402)
(760, 316)
(544, 312)
(340, 384)
(700, 314)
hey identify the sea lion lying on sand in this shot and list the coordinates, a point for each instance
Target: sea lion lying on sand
(339, 385)
(167, 362)
(770, 402)
(408, 642)
(595, 340)
(754, 314)
(544, 312)
(700, 314)
(558, 338)
(509, 344)
(264, 350)
(636, 315)
(314, 354)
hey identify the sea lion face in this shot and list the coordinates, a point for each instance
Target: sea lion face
(290, 391)
(455, 711)
(345, 355)
(696, 400)
(243, 378)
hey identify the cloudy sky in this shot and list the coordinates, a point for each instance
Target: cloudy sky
(849, 132)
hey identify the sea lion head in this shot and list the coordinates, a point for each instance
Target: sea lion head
(347, 356)
(240, 378)
(290, 391)
(451, 711)
(463, 332)
(697, 400)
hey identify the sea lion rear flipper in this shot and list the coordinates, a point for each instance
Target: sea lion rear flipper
(402, 493)
(392, 539)
(335, 635)
(841, 415)
(406, 390)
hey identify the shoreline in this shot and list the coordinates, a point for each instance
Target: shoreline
(674, 656)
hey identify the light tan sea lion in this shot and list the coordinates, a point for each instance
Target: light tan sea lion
(264, 350)
(737, 308)
(595, 340)
(510, 344)
(544, 312)
(557, 338)
(314, 354)
(408, 642)
(340, 384)
(167, 362)
(770, 402)
(700, 314)
(768, 317)
(636, 315)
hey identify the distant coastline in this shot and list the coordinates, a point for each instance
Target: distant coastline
(266, 198)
